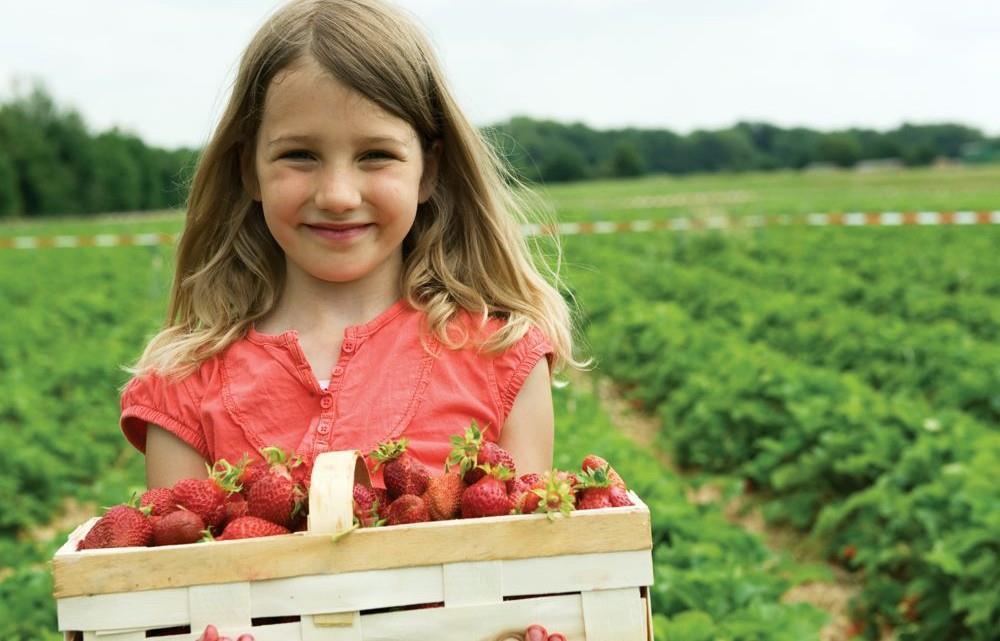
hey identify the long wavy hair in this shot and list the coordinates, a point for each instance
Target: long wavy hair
(466, 250)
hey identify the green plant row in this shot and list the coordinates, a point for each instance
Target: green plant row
(812, 439)
(84, 314)
(937, 360)
(917, 275)
(713, 580)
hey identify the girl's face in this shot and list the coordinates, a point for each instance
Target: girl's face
(338, 178)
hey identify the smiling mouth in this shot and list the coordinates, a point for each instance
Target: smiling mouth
(344, 233)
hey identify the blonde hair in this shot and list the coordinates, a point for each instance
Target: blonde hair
(465, 251)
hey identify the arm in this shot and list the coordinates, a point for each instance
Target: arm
(169, 459)
(529, 430)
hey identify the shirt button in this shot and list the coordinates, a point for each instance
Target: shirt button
(326, 401)
(338, 370)
(348, 346)
(323, 428)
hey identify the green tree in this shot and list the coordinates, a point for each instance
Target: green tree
(626, 161)
(10, 195)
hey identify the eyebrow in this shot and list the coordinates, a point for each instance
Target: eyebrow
(366, 140)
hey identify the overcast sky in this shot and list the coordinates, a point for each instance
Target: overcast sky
(163, 68)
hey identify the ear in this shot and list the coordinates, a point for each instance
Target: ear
(429, 179)
(248, 173)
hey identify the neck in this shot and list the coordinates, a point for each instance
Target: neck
(308, 304)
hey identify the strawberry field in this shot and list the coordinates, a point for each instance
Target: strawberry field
(845, 380)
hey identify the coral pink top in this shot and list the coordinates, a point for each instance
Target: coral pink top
(261, 391)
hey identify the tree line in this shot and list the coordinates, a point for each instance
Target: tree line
(50, 163)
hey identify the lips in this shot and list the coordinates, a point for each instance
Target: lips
(340, 232)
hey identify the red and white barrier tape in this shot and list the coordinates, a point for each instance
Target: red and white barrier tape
(854, 219)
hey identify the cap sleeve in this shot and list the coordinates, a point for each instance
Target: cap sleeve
(513, 366)
(170, 404)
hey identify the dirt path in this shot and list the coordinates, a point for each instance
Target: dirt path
(831, 597)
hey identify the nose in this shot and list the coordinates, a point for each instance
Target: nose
(337, 190)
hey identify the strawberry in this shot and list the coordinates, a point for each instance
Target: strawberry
(598, 491)
(252, 470)
(593, 462)
(121, 526)
(444, 496)
(276, 496)
(402, 474)
(236, 506)
(179, 527)
(490, 454)
(366, 506)
(207, 497)
(160, 499)
(301, 469)
(408, 508)
(488, 495)
(524, 482)
(383, 501)
(248, 527)
(470, 451)
(550, 494)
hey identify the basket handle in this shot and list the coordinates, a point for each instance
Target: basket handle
(331, 491)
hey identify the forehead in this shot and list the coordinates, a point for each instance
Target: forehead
(305, 96)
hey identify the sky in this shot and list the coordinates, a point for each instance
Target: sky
(163, 69)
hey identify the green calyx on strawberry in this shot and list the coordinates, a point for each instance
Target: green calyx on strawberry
(488, 495)
(596, 490)
(465, 450)
(470, 451)
(402, 474)
(552, 494)
(593, 462)
(275, 496)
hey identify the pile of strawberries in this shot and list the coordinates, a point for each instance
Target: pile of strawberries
(480, 480)
(270, 496)
(251, 499)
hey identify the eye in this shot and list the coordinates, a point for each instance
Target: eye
(378, 154)
(297, 154)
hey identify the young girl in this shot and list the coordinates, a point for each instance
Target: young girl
(352, 267)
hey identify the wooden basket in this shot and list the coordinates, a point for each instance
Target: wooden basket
(585, 575)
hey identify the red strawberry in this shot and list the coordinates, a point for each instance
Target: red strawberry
(204, 497)
(275, 496)
(252, 471)
(444, 496)
(488, 496)
(408, 508)
(593, 462)
(301, 469)
(470, 451)
(366, 506)
(236, 506)
(179, 527)
(520, 484)
(248, 527)
(597, 490)
(160, 499)
(490, 454)
(383, 501)
(402, 474)
(121, 526)
(550, 494)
